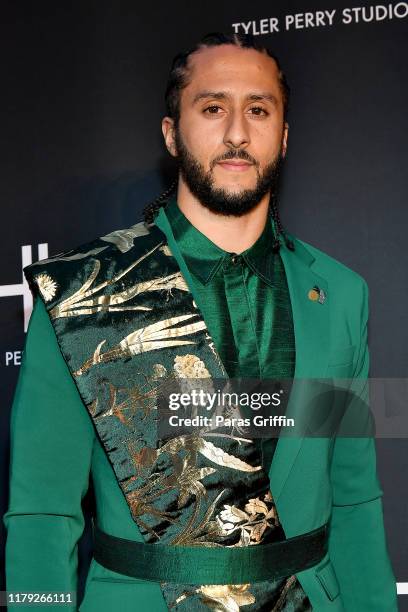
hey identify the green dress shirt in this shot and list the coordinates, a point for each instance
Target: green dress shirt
(244, 299)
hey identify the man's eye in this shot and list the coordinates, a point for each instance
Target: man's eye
(210, 108)
(259, 108)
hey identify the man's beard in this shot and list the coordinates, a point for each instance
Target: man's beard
(220, 200)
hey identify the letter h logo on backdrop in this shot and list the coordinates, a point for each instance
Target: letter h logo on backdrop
(23, 288)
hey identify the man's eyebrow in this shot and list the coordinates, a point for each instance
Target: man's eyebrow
(222, 95)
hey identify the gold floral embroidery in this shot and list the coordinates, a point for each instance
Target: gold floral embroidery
(86, 302)
(47, 286)
(222, 597)
(190, 366)
(186, 478)
(196, 443)
(251, 522)
(189, 483)
(229, 597)
(184, 367)
(155, 336)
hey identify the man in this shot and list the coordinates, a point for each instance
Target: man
(209, 286)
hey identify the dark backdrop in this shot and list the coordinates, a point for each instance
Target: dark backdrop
(82, 99)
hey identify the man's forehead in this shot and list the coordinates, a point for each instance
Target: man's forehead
(223, 62)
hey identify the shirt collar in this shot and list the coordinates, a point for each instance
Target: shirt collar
(203, 257)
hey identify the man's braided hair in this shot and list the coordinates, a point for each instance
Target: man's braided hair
(178, 80)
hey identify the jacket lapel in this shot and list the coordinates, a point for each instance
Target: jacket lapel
(311, 329)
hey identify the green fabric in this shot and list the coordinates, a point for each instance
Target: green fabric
(309, 480)
(246, 305)
(204, 565)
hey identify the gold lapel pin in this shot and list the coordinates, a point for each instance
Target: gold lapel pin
(317, 295)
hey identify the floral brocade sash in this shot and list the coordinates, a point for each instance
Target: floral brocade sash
(127, 324)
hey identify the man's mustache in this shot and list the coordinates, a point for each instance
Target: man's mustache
(235, 155)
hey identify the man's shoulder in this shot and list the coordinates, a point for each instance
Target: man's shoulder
(335, 271)
(115, 249)
(114, 244)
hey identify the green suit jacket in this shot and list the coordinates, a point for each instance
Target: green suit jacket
(54, 451)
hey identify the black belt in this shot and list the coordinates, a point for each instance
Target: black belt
(211, 565)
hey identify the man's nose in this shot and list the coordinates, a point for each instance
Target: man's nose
(237, 130)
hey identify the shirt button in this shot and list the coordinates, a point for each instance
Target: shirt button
(235, 258)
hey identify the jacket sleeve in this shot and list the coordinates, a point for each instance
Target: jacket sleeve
(51, 448)
(357, 541)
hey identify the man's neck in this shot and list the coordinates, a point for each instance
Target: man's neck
(233, 234)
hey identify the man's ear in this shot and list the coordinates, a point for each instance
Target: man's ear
(169, 135)
(285, 138)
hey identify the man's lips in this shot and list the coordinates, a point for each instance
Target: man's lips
(238, 166)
